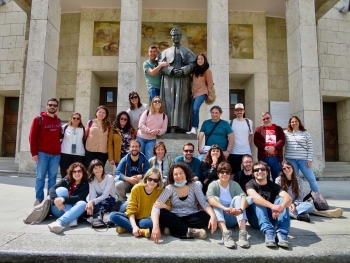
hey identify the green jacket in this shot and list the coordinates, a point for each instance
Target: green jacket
(214, 189)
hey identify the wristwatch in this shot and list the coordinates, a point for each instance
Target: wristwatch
(241, 210)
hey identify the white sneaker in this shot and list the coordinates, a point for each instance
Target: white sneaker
(55, 227)
(192, 131)
(73, 223)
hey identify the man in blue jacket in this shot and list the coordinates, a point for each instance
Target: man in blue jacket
(130, 170)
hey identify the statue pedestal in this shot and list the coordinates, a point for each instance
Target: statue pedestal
(174, 143)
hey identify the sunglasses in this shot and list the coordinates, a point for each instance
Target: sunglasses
(157, 101)
(266, 119)
(74, 118)
(133, 97)
(225, 172)
(149, 179)
(188, 151)
(257, 170)
(124, 119)
(76, 171)
(286, 168)
(53, 105)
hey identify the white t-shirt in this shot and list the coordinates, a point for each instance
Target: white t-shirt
(73, 136)
(241, 133)
(136, 114)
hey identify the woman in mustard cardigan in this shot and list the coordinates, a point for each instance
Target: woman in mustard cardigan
(137, 218)
(119, 137)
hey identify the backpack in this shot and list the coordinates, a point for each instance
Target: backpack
(153, 159)
(246, 119)
(38, 213)
(100, 220)
(319, 202)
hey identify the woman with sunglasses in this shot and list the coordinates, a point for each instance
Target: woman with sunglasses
(102, 192)
(229, 203)
(120, 135)
(161, 160)
(294, 186)
(153, 122)
(299, 150)
(136, 109)
(137, 218)
(68, 197)
(209, 165)
(72, 146)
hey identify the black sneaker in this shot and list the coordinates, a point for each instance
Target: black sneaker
(304, 217)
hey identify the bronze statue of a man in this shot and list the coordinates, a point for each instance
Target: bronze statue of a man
(176, 83)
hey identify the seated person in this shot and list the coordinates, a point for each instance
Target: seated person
(185, 219)
(192, 162)
(130, 170)
(228, 201)
(137, 218)
(161, 160)
(294, 186)
(266, 212)
(242, 177)
(68, 197)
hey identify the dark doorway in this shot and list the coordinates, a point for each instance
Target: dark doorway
(236, 96)
(330, 131)
(108, 97)
(9, 131)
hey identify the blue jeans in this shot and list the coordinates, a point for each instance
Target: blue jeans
(46, 164)
(230, 220)
(307, 172)
(303, 208)
(260, 217)
(196, 104)
(152, 92)
(147, 146)
(71, 212)
(274, 165)
(120, 219)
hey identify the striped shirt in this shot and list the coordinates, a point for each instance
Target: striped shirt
(186, 207)
(298, 146)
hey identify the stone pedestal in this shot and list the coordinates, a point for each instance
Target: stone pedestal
(303, 72)
(174, 143)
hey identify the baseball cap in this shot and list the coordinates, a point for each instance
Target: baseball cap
(239, 106)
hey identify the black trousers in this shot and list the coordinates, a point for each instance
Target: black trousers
(67, 160)
(235, 161)
(178, 226)
(89, 156)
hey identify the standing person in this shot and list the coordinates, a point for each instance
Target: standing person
(45, 147)
(151, 69)
(136, 109)
(161, 160)
(294, 186)
(299, 150)
(119, 137)
(130, 170)
(68, 197)
(216, 131)
(137, 218)
(97, 136)
(266, 212)
(202, 84)
(269, 139)
(229, 203)
(214, 157)
(152, 123)
(102, 194)
(243, 132)
(242, 177)
(72, 145)
(184, 219)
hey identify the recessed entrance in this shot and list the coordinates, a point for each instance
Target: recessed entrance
(9, 133)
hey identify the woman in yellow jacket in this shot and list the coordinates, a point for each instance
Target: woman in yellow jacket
(119, 137)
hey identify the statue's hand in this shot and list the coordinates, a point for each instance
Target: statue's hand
(178, 72)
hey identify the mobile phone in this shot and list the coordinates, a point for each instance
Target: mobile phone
(74, 148)
(186, 238)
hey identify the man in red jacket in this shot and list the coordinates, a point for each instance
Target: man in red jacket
(45, 147)
(269, 139)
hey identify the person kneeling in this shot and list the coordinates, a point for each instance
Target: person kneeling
(229, 202)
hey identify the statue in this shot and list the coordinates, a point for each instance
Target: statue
(176, 83)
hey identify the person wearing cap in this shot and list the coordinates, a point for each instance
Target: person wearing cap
(243, 134)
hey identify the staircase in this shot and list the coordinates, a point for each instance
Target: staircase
(8, 165)
(336, 171)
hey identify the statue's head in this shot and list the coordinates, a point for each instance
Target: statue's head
(176, 35)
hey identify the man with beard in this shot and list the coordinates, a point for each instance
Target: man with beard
(187, 158)
(45, 147)
(242, 177)
(131, 169)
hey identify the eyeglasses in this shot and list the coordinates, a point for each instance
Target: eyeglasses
(286, 168)
(188, 151)
(266, 119)
(157, 101)
(149, 179)
(225, 172)
(77, 171)
(74, 118)
(124, 119)
(257, 170)
(53, 105)
(133, 97)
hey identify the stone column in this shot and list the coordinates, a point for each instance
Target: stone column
(41, 69)
(218, 52)
(129, 51)
(304, 88)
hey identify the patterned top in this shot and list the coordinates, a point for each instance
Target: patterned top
(126, 138)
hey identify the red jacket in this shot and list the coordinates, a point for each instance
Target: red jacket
(259, 141)
(45, 137)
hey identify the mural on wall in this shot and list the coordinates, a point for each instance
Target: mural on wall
(106, 39)
(241, 41)
(194, 36)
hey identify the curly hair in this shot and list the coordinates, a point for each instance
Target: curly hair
(105, 121)
(187, 170)
(92, 165)
(208, 159)
(139, 104)
(284, 180)
(301, 126)
(159, 144)
(152, 171)
(70, 169)
(70, 121)
(116, 123)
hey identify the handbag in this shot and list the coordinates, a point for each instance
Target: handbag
(211, 93)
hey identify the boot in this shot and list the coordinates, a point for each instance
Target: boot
(192, 131)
